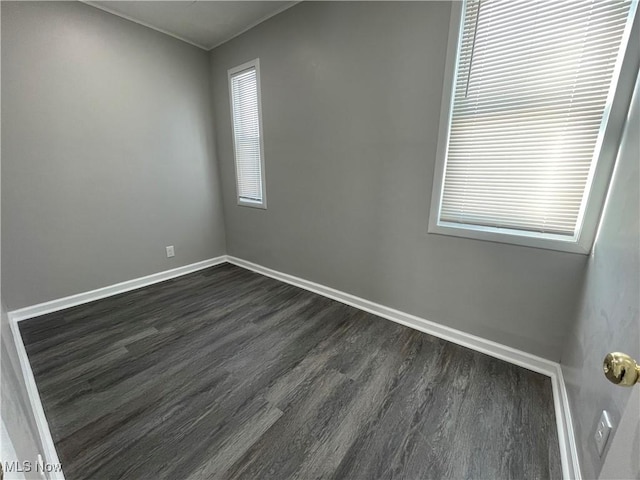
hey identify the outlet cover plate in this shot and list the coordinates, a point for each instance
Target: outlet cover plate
(603, 432)
(170, 251)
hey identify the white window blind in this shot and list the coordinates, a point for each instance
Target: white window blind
(245, 108)
(531, 92)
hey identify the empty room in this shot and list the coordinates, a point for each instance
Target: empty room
(320, 240)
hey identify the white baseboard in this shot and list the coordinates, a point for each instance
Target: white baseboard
(497, 350)
(566, 432)
(50, 455)
(90, 296)
(566, 437)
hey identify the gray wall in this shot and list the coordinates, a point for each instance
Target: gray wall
(16, 414)
(108, 152)
(351, 98)
(609, 313)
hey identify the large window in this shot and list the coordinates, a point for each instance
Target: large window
(244, 87)
(528, 120)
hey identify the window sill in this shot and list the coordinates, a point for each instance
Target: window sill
(513, 237)
(243, 202)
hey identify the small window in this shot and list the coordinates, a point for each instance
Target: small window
(244, 87)
(529, 120)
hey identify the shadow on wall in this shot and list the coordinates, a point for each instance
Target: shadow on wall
(609, 309)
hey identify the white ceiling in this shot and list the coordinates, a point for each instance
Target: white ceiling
(205, 24)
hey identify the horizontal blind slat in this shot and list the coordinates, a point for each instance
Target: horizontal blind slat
(529, 96)
(246, 130)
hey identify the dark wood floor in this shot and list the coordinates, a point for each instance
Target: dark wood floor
(228, 374)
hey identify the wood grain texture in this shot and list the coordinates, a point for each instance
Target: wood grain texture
(228, 374)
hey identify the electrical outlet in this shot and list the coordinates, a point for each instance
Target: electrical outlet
(603, 432)
(170, 251)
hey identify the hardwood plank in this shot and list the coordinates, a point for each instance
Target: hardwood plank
(228, 374)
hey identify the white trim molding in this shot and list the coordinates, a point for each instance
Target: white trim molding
(50, 454)
(206, 48)
(489, 347)
(566, 433)
(97, 294)
(254, 24)
(117, 13)
(566, 436)
(231, 74)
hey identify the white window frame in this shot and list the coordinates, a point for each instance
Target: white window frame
(244, 202)
(606, 149)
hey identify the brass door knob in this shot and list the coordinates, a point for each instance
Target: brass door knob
(621, 369)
